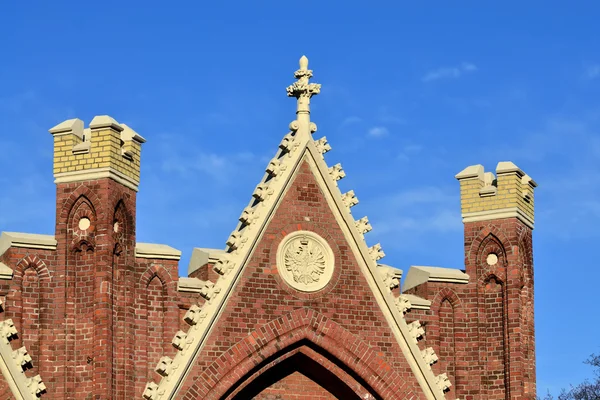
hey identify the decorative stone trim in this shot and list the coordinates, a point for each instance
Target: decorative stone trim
(97, 173)
(443, 382)
(13, 364)
(305, 261)
(429, 356)
(363, 225)
(376, 252)
(337, 172)
(26, 240)
(322, 145)
(156, 251)
(403, 304)
(296, 147)
(6, 273)
(500, 213)
(418, 275)
(416, 331)
(349, 199)
(417, 303)
(391, 276)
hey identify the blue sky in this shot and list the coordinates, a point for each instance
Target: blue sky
(412, 93)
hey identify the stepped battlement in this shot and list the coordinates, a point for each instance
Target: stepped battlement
(104, 149)
(484, 196)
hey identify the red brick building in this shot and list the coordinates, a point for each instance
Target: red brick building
(296, 307)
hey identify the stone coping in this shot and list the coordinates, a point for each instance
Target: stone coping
(192, 285)
(203, 256)
(156, 251)
(27, 240)
(417, 303)
(418, 275)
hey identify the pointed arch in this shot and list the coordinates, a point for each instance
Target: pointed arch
(491, 244)
(495, 337)
(30, 276)
(303, 325)
(82, 191)
(156, 317)
(447, 307)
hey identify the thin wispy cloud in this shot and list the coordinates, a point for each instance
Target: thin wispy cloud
(592, 71)
(378, 131)
(453, 72)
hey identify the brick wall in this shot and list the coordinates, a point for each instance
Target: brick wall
(265, 319)
(483, 331)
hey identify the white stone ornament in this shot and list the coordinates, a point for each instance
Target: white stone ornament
(262, 192)
(7, 329)
(416, 331)
(21, 357)
(349, 199)
(363, 225)
(151, 391)
(248, 216)
(179, 340)
(194, 315)
(275, 168)
(163, 368)
(36, 386)
(236, 241)
(305, 261)
(376, 252)
(403, 304)
(322, 145)
(210, 290)
(337, 172)
(443, 382)
(223, 267)
(429, 356)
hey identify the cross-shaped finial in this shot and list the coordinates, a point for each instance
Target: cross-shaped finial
(303, 90)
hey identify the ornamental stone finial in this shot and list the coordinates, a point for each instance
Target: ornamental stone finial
(303, 91)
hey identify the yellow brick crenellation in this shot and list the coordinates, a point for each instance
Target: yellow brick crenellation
(482, 192)
(105, 146)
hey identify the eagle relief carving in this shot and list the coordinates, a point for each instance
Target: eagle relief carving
(305, 261)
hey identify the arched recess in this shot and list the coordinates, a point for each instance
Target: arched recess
(154, 323)
(123, 284)
(447, 309)
(30, 277)
(495, 338)
(300, 373)
(277, 338)
(80, 274)
(527, 331)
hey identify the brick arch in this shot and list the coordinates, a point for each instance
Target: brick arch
(303, 368)
(160, 272)
(31, 261)
(491, 244)
(494, 231)
(29, 303)
(303, 324)
(157, 317)
(443, 335)
(81, 191)
(81, 240)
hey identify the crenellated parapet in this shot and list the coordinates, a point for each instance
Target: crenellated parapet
(484, 196)
(104, 149)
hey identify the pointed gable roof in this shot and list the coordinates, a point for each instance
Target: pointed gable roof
(296, 149)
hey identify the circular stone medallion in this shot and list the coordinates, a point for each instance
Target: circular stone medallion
(305, 261)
